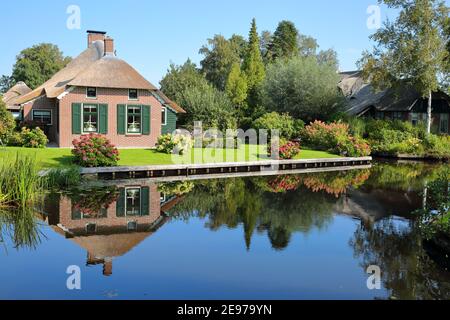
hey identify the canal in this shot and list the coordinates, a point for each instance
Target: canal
(300, 236)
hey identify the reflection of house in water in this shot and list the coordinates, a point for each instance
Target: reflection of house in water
(107, 230)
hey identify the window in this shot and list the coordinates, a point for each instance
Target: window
(132, 94)
(132, 225)
(379, 115)
(414, 119)
(397, 115)
(164, 116)
(90, 118)
(443, 123)
(91, 228)
(133, 201)
(43, 116)
(91, 93)
(134, 119)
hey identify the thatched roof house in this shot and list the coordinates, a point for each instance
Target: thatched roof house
(11, 97)
(108, 88)
(403, 103)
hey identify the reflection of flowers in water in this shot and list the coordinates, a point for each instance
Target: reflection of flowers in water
(282, 184)
(336, 184)
(91, 202)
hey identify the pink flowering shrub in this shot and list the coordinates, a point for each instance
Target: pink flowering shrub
(95, 150)
(287, 149)
(335, 138)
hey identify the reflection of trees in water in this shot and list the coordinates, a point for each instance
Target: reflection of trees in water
(240, 201)
(407, 272)
(21, 227)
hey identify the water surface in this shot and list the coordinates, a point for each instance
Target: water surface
(306, 236)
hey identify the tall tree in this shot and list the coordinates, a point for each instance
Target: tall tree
(328, 57)
(307, 45)
(39, 63)
(219, 56)
(264, 43)
(180, 78)
(237, 87)
(253, 66)
(6, 82)
(301, 87)
(285, 41)
(410, 50)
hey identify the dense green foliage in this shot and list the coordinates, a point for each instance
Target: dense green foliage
(435, 216)
(303, 88)
(394, 137)
(39, 63)
(287, 126)
(7, 123)
(28, 138)
(285, 41)
(219, 56)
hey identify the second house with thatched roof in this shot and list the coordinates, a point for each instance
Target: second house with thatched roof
(99, 93)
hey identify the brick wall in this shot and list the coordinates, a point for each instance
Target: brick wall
(111, 220)
(111, 97)
(47, 104)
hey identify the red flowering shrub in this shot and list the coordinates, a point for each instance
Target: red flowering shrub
(95, 150)
(287, 149)
(282, 184)
(335, 138)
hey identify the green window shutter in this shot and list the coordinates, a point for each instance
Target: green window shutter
(76, 118)
(121, 118)
(103, 119)
(120, 203)
(145, 201)
(146, 120)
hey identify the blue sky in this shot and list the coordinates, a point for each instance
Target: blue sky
(151, 34)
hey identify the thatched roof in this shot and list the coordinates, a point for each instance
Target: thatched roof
(56, 85)
(110, 246)
(11, 96)
(111, 72)
(361, 96)
(94, 69)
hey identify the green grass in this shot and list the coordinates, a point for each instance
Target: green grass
(57, 158)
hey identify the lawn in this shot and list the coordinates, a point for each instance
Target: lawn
(52, 157)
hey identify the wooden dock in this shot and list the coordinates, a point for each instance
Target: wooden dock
(227, 168)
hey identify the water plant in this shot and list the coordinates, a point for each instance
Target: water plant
(20, 182)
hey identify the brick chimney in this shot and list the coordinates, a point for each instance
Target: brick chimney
(95, 36)
(109, 46)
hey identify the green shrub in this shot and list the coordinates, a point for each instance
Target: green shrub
(176, 144)
(95, 150)
(28, 138)
(286, 125)
(437, 146)
(63, 178)
(7, 123)
(334, 138)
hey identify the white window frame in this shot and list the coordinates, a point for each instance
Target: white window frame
(82, 117)
(126, 121)
(137, 95)
(165, 116)
(92, 98)
(51, 115)
(140, 200)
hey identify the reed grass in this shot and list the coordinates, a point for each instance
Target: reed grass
(20, 182)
